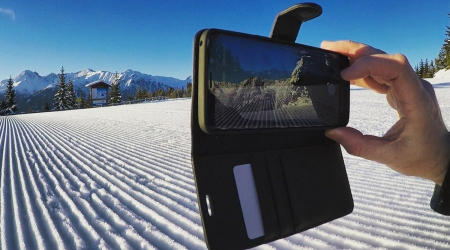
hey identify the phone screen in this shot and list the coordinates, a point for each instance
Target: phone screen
(255, 83)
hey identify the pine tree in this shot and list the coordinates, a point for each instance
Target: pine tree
(10, 93)
(171, 92)
(188, 89)
(416, 69)
(71, 97)
(426, 68)
(440, 60)
(443, 59)
(446, 46)
(115, 95)
(160, 93)
(81, 101)
(3, 105)
(141, 93)
(89, 101)
(421, 68)
(431, 70)
(46, 106)
(138, 93)
(60, 101)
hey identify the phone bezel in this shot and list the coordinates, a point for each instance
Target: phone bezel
(206, 100)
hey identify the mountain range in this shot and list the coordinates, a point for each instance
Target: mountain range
(33, 90)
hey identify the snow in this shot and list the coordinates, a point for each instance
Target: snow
(442, 77)
(120, 178)
(443, 73)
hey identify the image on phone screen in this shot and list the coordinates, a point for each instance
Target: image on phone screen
(258, 84)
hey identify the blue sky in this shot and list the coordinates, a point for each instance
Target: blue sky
(155, 36)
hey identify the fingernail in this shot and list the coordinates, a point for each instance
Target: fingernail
(334, 134)
(324, 43)
(344, 73)
(331, 133)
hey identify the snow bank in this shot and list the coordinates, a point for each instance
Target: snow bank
(443, 73)
(442, 77)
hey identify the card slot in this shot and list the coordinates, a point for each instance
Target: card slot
(225, 227)
(281, 194)
(266, 197)
(296, 189)
(317, 184)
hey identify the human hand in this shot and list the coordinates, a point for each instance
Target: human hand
(418, 144)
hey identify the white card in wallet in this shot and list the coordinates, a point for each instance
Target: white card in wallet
(248, 198)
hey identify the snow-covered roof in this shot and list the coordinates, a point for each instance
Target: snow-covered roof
(99, 83)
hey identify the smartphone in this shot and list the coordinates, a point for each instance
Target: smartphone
(249, 83)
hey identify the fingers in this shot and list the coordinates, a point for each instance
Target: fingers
(418, 143)
(355, 143)
(380, 66)
(356, 51)
(407, 157)
(351, 49)
(372, 68)
(389, 71)
(370, 83)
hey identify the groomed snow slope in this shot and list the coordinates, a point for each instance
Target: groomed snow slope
(120, 178)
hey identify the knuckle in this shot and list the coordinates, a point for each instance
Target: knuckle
(400, 58)
(354, 149)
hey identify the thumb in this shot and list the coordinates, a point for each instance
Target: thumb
(355, 143)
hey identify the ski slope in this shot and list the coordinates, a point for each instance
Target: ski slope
(120, 178)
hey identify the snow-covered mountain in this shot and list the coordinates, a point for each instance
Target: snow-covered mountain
(29, 82)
